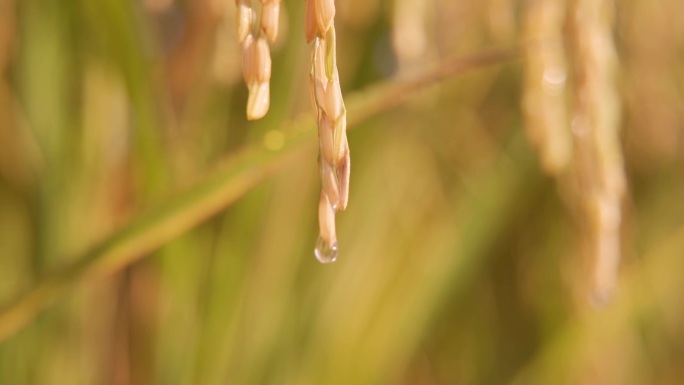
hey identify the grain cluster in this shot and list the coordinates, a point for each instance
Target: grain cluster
(331, 118)
(254, 30)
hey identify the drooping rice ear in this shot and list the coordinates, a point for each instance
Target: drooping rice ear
(328, 105)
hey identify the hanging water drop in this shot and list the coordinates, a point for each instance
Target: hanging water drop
(325, 253)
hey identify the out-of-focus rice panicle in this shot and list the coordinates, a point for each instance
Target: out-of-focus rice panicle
(589, 142)
(597, 143)
(544, 99)
(410, 39)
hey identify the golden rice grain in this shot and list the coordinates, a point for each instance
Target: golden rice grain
(270, 15)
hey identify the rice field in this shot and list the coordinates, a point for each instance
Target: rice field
(514, 213)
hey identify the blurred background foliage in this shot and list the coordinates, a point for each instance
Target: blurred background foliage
(461, 262)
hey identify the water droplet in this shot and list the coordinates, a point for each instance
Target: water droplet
(324, 252)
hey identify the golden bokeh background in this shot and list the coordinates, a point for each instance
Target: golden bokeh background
(150, 234)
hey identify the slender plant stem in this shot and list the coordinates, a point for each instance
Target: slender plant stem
(230, 180)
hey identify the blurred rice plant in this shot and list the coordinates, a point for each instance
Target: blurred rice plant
(150, 234)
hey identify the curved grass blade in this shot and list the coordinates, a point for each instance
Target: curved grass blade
(230, 180)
